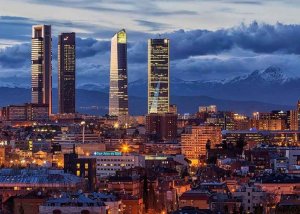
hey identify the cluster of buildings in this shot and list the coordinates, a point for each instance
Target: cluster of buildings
(210, 161)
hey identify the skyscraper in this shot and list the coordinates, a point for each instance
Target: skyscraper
(118, 92)
(158, 75)
(298, 113)
(41, 67)
(66, 73)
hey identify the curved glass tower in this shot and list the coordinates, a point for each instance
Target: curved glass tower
(118, 92)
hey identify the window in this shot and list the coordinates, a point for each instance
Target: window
(78, 173)
(86, 165)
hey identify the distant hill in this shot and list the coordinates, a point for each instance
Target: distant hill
(270, 85)
(96, 102)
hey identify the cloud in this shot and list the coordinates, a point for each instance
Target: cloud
(195, 54)
(150, 8)
(154, 26)
(15, 56)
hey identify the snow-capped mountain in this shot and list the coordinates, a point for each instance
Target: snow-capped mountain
(270, 75)
(269, 85)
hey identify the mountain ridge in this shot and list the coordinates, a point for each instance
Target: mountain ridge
(96, 102)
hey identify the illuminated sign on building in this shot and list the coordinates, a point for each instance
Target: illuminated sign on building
(107, 153)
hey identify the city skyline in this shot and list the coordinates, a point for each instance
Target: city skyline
(231, 57)
(149, 106)
(213, 54)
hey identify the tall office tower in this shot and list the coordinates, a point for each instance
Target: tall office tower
(66, 73)
(292, 120)
(41, 67)
(158, 75)
(118, 92)
(298, 110)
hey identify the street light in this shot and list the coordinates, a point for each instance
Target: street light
(83, 130)
(125, 148)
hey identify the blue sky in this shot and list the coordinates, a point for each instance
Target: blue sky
(210, 39)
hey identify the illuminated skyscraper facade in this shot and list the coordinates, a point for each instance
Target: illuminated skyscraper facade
(158, 75)
(118, 91)
(66, 73)
(298, 111)
(41, 67)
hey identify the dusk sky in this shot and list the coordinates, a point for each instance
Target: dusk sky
(210, 39)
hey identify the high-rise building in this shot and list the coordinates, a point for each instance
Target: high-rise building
(193, 143)
(41, 67)
(162, 127)
(292, 120)
(298, 110)
(158, 75)
(118, 92)
(208, 109)
(66, 73)
(173, 109)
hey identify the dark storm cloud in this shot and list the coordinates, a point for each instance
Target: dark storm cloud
(90, 47)
(15, 56)
(260, 39)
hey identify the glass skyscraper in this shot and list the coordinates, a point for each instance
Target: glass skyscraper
(66, 73)
(158, 75)
(118, 91)
(41, 67)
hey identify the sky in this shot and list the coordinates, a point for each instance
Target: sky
(211, 40)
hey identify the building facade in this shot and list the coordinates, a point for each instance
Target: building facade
(118, 91)
(162, 126)
(108, 163)
(193, 143)
(41, 66)
(158, 75)
(26, 112)
(66, 73)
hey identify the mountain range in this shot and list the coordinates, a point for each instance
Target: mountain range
(264, 90)
(269, 85)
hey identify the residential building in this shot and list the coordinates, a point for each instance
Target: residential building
(194, 143)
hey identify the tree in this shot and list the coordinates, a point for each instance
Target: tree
(226, 209)
(145, 193)
(208, 144)
(234, 209)
(240, 143)
(224, 145)
(241, 209)
(184, 172)
(258, 210)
